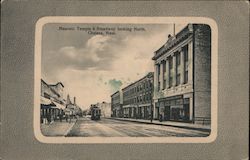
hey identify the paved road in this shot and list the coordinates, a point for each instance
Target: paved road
(85, 127)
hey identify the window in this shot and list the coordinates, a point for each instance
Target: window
(170, 81)
(178, 59)
(164, 73)
(158, 69)
(185, 50)
(164, 83)
(178, 79)
(170, 62)
(186, 77)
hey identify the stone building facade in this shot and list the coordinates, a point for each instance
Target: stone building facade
(182, 77)
(116, 104)
(137, 98)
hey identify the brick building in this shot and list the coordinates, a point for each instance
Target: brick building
(137, 98)
(182, 77)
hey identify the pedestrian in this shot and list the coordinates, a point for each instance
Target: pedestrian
(60, 117)
(66, 117)
(160, 117)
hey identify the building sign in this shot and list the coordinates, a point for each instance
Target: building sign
(171, 98)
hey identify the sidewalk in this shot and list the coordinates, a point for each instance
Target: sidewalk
(205, 128)
(57, 128)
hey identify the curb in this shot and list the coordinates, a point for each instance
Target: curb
(69, 129)
(170, 125)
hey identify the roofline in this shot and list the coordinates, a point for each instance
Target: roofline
(138, 80)
(52, 84)
(155, 52)
(114, 93)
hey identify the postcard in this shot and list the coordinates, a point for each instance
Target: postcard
(126, 80)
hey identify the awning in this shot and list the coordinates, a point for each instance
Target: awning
(145, 105)
(179, 106)
(128, 106)
(45, 101)
(58, 105)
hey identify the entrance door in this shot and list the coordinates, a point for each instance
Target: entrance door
(167, 113)
(186, 112)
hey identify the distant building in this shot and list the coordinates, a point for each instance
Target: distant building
(116, 104)
(137, 98)
(71, 107)
(105, 109)
(182, 77)
(52, 102)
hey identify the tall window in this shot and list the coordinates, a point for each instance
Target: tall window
(178, 59)
(185, 50)
(170, 81)
(164, 74)
(159, 72)
(170, 62)
(178, 79)
(186, 76)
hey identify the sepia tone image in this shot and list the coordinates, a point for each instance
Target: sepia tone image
(125, 80)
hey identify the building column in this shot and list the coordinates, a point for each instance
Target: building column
(190, 62)
(174, 70)
(167, 73)
(182, 67)
(161, 76)
(156, 79)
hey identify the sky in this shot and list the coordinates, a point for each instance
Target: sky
(94, 66)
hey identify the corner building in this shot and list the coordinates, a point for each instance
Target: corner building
(116, 104)
(182, 77)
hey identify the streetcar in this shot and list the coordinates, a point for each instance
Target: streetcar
(95, 113)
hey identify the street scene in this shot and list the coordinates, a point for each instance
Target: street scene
(85, 127)
(163, 89)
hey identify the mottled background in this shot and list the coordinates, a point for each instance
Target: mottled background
(17, 80)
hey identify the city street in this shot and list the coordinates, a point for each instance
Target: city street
(85, 127)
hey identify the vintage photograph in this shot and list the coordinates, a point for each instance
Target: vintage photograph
(125, 80)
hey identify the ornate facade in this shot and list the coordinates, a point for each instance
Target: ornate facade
(182, 77)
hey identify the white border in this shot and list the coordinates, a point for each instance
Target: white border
(126, 20)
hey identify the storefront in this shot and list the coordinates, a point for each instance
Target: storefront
(176, 108)
(144, 111)
(50, 110)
